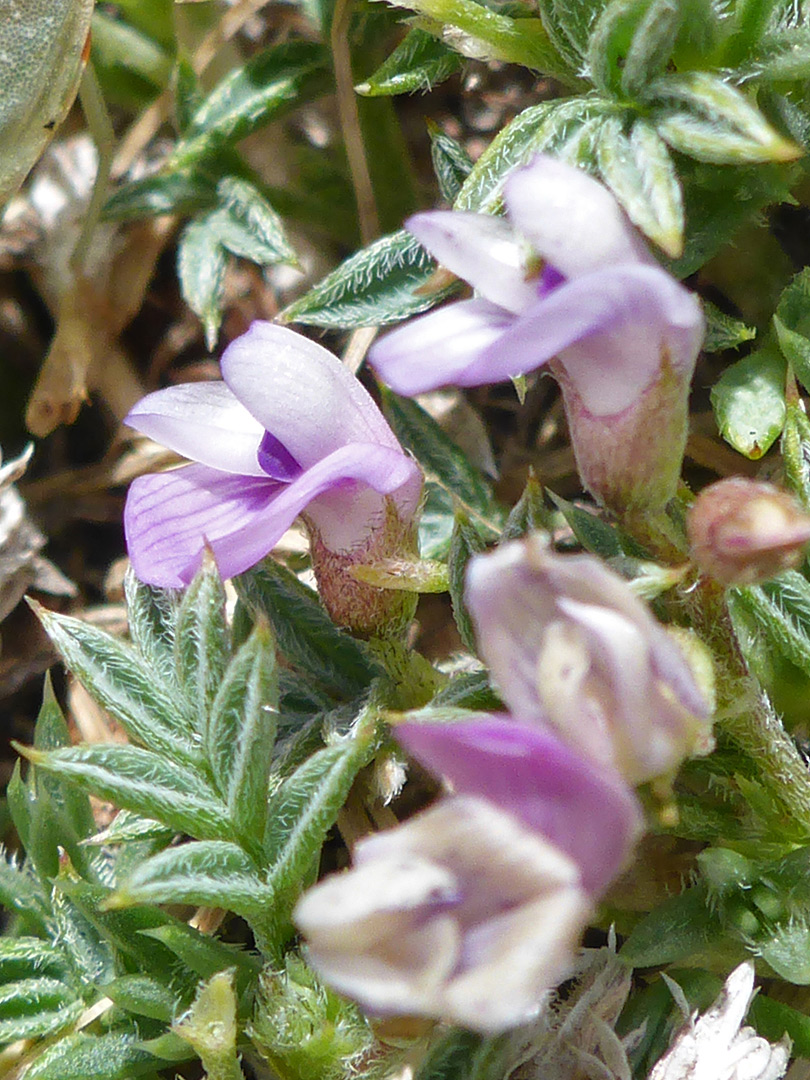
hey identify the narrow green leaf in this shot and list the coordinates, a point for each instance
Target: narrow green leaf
(22, 895)
(36, 1007)
(204, 955)
(594, 534)
(639, 171)
(144, 996)
(127, 828)
(466, 542)
(304, 809)
(202, 643)
(530, 513)
(574, 21)
(141, 781)
(749, 401)
(211, 872)
(470, 690)
(632, 43)
(119, 680)
(270, 84)
(183, 192)
(723, 331)
(305, 635)
(383, 283)
(773, 1018)
(130, 65)
(249, 226)
(442, 459)
(451, 162)
(241, 733)
(792, 325)
(436, 523)
(682, 926)
(781, 609)
(93, 1057)
(417, 64)
(201, 263)
(552, 127)
(26, 957)
(210, 1027)
(700, 115)
(453, 1057)
(781, 56)
(152, 618)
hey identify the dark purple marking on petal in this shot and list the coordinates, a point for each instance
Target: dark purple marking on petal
(276, 460)
(549, 280)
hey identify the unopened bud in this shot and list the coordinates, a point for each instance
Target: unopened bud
(743, 531)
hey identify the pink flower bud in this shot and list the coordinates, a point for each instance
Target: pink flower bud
(743, 531)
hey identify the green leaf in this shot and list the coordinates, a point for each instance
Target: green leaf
(529, 514)
(305, 635)
(270, 84)
(436, 523)
(93, 1057)
(418, 63)
(130, 65)
(451, 162)
(639, 171)
(182, 192)
(116, 677)
(204, 955)
(705, 118)
(772, 1019)
(552, 127)
(152, 618)
(202, 642)
(249, 226)
(21, 894)
(631, 44)
(212, 872)
(441, 458)
(35, 1007)
(304, 809)
(144, 996)
(792, 325)
(25, 957)
(127, 828)
(724, 331)
(594, 534)
(201, 264)
(781, 56)
(465, 542)
(470, 690)
(573, 21)
(781, 609)
(383, 283)
(749, 401)
(210, 1027)
(139, 780)
(682, 926)
(241, 733)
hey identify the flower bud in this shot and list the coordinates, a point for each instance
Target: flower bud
(743, 531)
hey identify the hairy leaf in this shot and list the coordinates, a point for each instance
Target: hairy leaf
(418, 63)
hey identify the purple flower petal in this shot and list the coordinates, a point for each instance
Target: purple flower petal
(571, 219)
(276, 460)
(204, 422)
(437, 349)
(302, 393)
(588, 814)
(612, 330)
(169, 516)
(479, 248)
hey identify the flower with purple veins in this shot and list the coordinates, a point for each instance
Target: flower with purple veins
(290, 431)
(566, 282)
(472, 909)
(571, 646)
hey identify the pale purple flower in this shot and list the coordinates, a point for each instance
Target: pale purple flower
(570, 645)
(567, 281)
(472, 909)
(290, 431)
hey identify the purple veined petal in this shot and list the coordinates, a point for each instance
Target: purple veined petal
(571, 220)
(613, 331)
(479, 248)
(436, 349)
(588, 814)
(301, 393)
(170, 516)
(203, 422)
